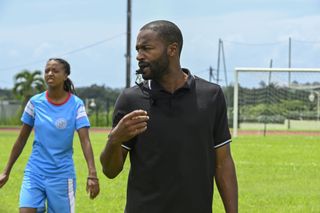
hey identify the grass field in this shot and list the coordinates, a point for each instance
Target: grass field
(275, 174)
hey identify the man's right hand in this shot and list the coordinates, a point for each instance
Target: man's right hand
(129, 126)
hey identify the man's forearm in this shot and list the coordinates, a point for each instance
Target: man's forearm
(226, 182)
(112, 159)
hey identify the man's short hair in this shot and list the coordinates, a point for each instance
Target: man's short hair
(167, 31)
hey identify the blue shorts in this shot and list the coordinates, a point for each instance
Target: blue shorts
(59, 193)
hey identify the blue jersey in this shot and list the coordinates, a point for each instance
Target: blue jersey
(54, 127)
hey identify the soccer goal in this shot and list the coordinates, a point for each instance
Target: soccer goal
(276, 99)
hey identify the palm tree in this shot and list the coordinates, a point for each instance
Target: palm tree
(28, 84)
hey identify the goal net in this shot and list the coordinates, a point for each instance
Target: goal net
(276, 99)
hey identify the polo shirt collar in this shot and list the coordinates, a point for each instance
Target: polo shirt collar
(155, 86)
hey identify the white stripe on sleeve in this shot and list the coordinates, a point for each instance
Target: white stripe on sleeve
(81, 112)
(29, 109)
(221, 144)
(126, 147)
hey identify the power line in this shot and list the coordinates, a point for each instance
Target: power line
(92, 45)
(306, 41)
(22, 65)
(63, 54)
(269, 43)
(201, 71)
(253, 44)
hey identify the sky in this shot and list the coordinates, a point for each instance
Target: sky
(91, 36)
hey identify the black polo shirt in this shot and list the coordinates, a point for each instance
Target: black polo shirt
(172, 162)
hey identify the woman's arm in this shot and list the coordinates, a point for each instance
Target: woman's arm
(92, 180)
(15, 152)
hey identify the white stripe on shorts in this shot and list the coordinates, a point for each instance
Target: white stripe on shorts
(71, 195)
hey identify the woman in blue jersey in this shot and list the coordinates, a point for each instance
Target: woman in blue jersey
(54, 115)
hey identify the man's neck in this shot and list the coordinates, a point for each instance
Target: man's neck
(174, 80)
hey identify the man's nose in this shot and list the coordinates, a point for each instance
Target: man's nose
(140, 56)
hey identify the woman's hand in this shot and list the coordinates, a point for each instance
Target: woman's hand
(93, 187)
(3, 179)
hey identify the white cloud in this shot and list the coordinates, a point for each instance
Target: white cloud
(56, 29)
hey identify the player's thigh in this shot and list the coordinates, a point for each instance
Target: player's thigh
(32, 193)
(61, 195)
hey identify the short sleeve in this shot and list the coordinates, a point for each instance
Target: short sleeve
(120, 110)
(221, 130)
(28, 114)
(82, 119)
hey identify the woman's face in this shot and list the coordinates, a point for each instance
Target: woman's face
(55, 74)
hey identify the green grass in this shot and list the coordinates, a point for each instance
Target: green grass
(275, 174)
(278, 173)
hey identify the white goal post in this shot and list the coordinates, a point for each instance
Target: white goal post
(255, 69)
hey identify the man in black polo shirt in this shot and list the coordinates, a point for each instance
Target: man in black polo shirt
(174, 125)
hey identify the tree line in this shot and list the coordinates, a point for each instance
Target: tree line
(255, 104)
(28, 83)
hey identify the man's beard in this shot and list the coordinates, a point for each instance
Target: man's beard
(158, 68)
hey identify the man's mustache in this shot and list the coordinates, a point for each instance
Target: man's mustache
(143, 64)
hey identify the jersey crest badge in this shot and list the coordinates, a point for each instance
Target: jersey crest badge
(61, 123)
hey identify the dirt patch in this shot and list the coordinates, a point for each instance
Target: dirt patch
(240, 132)
(16, 129)
(278, 132)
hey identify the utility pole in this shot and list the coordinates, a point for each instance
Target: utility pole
(128, 54)
(211, 74)
(267, 99)
(221, 52)
(224, 62)
(218, 62)
(289, 59)
(289, 76)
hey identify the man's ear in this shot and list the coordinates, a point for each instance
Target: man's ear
(173, 49)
